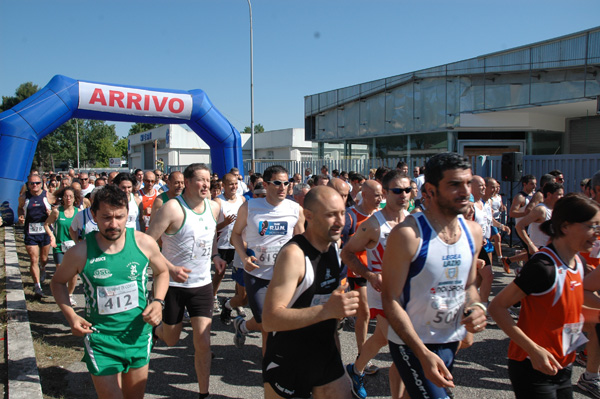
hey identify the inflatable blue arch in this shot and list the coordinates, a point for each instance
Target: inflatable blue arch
(63, 98)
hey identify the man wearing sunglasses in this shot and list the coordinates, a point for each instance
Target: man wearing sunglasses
(372, 196)
(269, 222)
(372, 238)
(428, 280)
(86, 187)
(33, 210)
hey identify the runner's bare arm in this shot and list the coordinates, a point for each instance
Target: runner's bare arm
(288, 272)
(156, 205)
(518, 201)
(402, 245)
(152, 314)
(299, 227)
(220, 264)
(20, 210)
(49, 222)
(541, 359)
(237, 241)
(476, 320)
(365, 237)
(168, 220)
(73, 263)
(537, 215)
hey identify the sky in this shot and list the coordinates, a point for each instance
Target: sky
(301, 47)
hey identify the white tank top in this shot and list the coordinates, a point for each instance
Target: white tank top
(496, 203)
(375, 258)
(434, 293)
(227, 208)
(268, 229)
(483, 217)
(84, 222)
(538, 238)
(133, 219)
(191, 245)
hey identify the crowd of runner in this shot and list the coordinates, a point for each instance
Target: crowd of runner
(413, 252)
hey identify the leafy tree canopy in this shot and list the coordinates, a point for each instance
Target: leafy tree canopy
(258, 128)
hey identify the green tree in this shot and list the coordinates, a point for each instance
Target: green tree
(23, 92)
(258, 128)
(121, 148)
(142, 127)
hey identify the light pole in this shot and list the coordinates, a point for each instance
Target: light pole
(251, 88)
(77, 132)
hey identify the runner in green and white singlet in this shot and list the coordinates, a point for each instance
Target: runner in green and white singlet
(118, 320)
(60, 240)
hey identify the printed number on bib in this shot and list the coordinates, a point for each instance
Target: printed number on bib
(572, 337)
(267, 255)
(117, 298)
(65, 246)
(443, 312)
(36, 228)
(202, 249)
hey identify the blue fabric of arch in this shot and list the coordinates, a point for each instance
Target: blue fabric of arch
(22, 126)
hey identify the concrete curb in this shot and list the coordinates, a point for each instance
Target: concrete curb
(23, 376)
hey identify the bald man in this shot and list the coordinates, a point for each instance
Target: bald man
(302, 305)
(176, 185)
(148, 194)
(372, 195)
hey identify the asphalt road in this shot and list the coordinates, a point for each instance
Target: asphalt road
(480, 371)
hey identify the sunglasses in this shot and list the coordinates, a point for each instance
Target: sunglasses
(279, 183)
(595, 227)
(406, 190)
(35, 183)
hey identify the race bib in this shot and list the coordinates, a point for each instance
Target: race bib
(443, 311)
(65, 246)
(267, 255)
(36, 228)
(202, 249)
(572, 337)
(117, 298)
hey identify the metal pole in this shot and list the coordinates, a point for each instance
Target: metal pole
(77, 131)
(251, 87)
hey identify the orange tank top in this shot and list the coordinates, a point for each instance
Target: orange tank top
(553, 319)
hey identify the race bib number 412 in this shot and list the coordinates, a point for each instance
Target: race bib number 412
(117, 298)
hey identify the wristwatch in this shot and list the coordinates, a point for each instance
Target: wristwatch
(162, 303)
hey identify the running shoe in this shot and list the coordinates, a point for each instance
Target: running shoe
(239, 339)
(358, 384)
(506, 265)
(225, 315)
(514, 312)
(371, 369)
(38, 293)
(581, 359)
(240, 311)
(590, 386)
(72, 301)
(186, 315)
(216, 306)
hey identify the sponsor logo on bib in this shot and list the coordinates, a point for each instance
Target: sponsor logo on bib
(266, 228)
